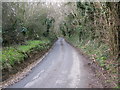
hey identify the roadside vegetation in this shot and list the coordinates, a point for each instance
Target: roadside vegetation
(17, 54)
(26, 35)
(94, 28)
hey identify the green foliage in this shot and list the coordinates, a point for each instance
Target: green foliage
(49, 23)
(91, 31)
(0, 34)
(85, 36)
(25, 21)
(81, 6)
(93, 49)
(12, 55)
(29, 45)
(117, 87)
(96, 51)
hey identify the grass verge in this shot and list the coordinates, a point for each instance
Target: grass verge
(17, 54)
(99, 53)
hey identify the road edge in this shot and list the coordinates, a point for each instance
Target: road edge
(99, 71)
(21, 75)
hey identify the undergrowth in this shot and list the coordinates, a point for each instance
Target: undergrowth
(17, 54)
(100, 53)
(96, 51)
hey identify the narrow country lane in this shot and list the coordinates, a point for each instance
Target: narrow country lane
(63, 67)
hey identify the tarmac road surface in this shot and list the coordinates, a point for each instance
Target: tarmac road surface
(63, 67)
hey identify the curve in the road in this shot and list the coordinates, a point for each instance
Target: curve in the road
(63, 67)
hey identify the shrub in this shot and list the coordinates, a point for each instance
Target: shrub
(12, 55)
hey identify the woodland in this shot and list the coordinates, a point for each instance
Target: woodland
(94, 27)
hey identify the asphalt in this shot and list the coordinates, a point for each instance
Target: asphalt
(63, 67)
